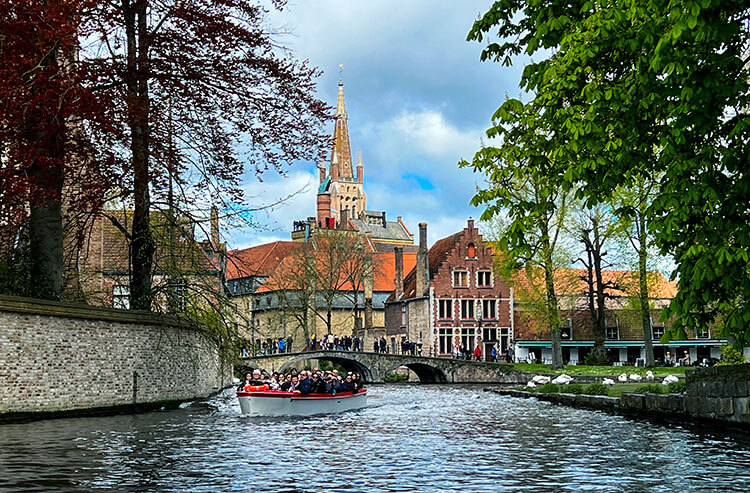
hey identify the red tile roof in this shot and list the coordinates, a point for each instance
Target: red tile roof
(383, 277)
(259, 260)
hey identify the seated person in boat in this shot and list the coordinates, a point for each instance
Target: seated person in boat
(286, 383)
(348, 384)
(254, 379)
(317, 385)
(304, 386)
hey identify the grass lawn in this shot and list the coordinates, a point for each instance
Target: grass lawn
(574, 370)
(614, 391)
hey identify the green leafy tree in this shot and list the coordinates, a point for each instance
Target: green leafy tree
(644, 88)
(519, 187)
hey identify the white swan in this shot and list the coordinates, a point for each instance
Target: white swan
(650, 376)
(562, 380)
(635, 378)
(531, 385)
(670, 379)
(540, 379)
(608, 381)
(622, 378)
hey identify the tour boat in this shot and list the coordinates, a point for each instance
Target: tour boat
(259, 401)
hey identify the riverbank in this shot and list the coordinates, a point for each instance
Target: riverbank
(61, 359)
(717, 394)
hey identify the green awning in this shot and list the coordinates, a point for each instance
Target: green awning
(626, 344)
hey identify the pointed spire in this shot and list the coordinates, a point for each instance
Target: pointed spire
(340, 107)
(359, 157)
(341, 147)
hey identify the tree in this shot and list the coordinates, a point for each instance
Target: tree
(644, 88)
(632, 206)
(210, 78)
(46, 114)
(595, 228)
(519, 188)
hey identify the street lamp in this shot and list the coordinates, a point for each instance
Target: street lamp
(478, 317)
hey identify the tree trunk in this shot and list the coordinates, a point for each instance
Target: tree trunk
(553, 315)
(142, 246)
(643, 292)
(46, 233)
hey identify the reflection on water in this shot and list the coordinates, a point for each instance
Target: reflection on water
(410, 437)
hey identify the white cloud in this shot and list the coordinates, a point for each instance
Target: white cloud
(432, 135)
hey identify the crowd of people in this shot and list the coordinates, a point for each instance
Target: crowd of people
(313, 381)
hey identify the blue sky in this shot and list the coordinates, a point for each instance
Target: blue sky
(418, 100)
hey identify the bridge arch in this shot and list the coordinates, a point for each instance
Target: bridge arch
(426, 373)
(349, 364)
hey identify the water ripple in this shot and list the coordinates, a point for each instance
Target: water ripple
(410, 438)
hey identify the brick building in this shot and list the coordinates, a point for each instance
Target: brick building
(183, 267)
(452, 298)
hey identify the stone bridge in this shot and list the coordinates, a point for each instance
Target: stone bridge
(375, 366)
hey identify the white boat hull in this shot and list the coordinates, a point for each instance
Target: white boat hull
(287, 404)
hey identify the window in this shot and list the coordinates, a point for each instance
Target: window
(445, 309)
(703, 333)
(484, 279)
(121, 297)
(467, 338)
(460, 279)
(489, 334)
(471, 251)
(467, 309)
(658, 331)
(445, 341)
(612, 333)
(176, 295)
(488, 310)
(403, 315)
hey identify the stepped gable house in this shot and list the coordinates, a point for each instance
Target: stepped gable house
(451, 298)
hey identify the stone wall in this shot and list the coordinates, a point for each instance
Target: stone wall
(68, 358)
(719, 392)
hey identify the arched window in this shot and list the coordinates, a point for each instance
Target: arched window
(471, 251)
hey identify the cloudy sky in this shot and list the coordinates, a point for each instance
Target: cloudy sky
(418, 100)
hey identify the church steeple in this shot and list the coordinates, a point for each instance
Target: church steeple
(341, 147)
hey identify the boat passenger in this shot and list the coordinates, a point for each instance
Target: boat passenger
(294, 385)
(273, 382)
(286, 383)
(348, 385)
(305, 385)
(254, 379)
(317, 385)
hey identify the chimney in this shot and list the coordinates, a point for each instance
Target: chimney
(215, 239)
(360, 172)
(384, 222)
(368, 285)
(344, 219)
(335, 166)
(470, 223)
(399, 281)
(423, 273)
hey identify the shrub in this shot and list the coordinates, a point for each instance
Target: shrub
(575, 388)
(549, 388)
(676, 387)
(731, 356)
(650, 388)
(596, 389)
(395, 377)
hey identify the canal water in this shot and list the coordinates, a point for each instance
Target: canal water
(426, 438)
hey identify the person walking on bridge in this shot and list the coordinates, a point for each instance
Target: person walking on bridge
(478, 353)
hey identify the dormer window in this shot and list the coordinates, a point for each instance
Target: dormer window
(471, 251)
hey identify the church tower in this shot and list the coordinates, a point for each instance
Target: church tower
(341, 194)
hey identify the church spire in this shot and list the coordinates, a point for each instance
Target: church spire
(341, 147)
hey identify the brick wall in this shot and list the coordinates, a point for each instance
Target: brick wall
(66, 357)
